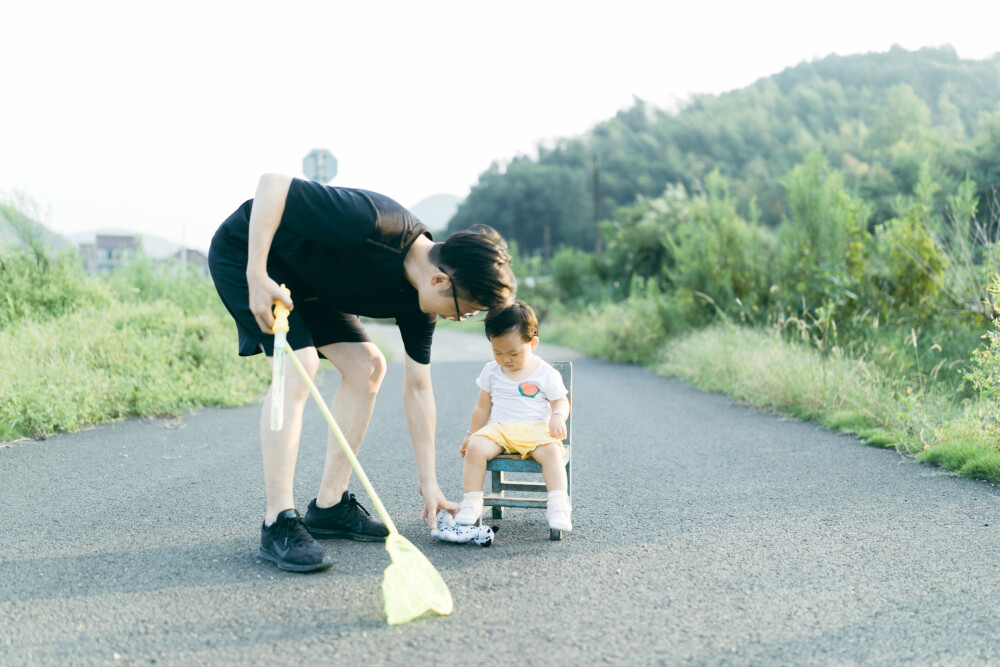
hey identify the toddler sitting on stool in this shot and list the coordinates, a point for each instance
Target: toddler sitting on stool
(522, 409)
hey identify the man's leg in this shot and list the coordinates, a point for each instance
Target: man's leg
(280, 449)
(335, 513)
(284, 540)
(362, 368)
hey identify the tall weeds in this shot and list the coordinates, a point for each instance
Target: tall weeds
(77, 350)
(880, 334)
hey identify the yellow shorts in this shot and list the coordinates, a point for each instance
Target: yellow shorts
(519, 438)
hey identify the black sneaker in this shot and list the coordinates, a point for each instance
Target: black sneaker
(287, 544)
(347, 520)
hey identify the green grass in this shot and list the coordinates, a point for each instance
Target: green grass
(969, 458)
(843, 394)
(764, 370)
(78, 350)
(122, 359)
(629, 332)
(884, 405)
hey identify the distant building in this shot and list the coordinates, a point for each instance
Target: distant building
(104, 252)
(108, 252)
(191, 257)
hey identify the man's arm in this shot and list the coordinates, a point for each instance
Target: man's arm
(421, 416)
(265, 216)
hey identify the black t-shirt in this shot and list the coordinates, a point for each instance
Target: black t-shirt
(348, 247)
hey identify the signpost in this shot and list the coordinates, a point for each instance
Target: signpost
(319, 165)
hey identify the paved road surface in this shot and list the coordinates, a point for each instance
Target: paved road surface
(706, 534)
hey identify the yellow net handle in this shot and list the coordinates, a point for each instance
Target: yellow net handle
(281, 313)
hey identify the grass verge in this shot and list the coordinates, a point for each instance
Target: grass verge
(761, 369)
(120, 360)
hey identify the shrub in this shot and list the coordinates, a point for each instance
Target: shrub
(821, 242)
(575, 276)
(41, 287)
(721, 256)
(77, 350)
(123, 360)
(638, 242)
(908, 266)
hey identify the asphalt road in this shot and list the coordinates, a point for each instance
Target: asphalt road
(706, 533)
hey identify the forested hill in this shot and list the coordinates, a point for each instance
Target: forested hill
(879, 117)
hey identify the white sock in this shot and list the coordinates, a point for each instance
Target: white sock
(558, 495)
(474, 495)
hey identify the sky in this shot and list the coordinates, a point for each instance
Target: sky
(161, 117)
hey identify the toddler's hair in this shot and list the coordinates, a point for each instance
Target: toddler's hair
(516, 317)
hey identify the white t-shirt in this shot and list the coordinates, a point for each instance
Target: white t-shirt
(525, 401)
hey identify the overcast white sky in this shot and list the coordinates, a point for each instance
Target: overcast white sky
(160, 117)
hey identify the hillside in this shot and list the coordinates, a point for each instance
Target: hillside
(435, 211)
(881, 118)
(18, 229)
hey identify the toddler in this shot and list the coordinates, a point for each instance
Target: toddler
(522, 409)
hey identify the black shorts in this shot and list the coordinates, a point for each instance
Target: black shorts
(311, 324)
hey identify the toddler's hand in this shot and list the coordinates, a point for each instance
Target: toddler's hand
(557, 426)
(464, 447)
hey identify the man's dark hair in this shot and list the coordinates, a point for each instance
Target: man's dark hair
(517, 317)
(479, 263)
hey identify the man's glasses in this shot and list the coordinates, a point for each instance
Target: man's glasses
(459, 317)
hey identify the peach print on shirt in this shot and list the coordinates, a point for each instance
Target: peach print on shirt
(529, 389)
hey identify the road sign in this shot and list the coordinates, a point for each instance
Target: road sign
(319, 165)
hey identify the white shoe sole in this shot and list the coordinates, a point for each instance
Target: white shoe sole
(468, 519)
(556, 524)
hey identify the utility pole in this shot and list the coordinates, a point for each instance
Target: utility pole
(547, 245)
(597, 205)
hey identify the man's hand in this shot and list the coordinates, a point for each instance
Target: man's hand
(434, 500)
(557, 425)
(263, 293)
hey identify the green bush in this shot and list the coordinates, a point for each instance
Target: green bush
(719, 255)
(820, 258)
(41, 287)
(123, 359)
(575, 277)
(638, 242)
(630, 331)
(34, 283)
(78, 350)
(908, 266)
(143, 281)
(840, 392)
(984, 374)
